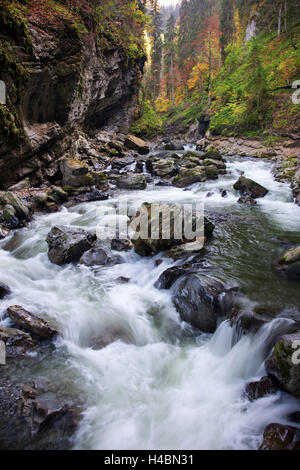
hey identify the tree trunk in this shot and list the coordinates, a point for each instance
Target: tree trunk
(279, 20)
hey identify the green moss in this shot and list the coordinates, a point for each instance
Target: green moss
(13, 23)
(281, 356)
(149, 122)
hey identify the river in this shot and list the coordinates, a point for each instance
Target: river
(156, 383)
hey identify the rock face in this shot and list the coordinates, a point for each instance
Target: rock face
(4, 290)
(30, 322)
(283, 364)
(100, 256)
(196, 298)
(249, 187)
(59, 80)
(67, 245)
(14, 213)
(289, 263)
(280, 437)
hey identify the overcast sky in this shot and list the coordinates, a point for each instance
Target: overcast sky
(168, 2)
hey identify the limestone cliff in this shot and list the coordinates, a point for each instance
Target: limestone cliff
(61, 75)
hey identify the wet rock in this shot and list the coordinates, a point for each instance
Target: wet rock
(122, 162)
(213, 154)
(94, 195)
(174, 145)
(264, 386)
(170, 276)
(100, 256)
(4, 290)
(4, 232)
(9, 217)
(211, 172)
(57, 194)
(247, 186)
(164, 168)
(67, 244)
(217, 163)
(157, 241)
(121, 244)
(246, 199)
(30, 322)
(24, 184)
(188, 176)
(280, 437)
(132, 181)
(283, 364)
(196, 298)
(17, 342)
(224, 193)
(186, 250)
(134, 143)
(289, 263)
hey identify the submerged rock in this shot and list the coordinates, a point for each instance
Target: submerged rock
(247, 186)
(30, 322)
(67, 244)
(4, 290)
(100, 256)
(289, 263)
(280, 437)
(246, 199)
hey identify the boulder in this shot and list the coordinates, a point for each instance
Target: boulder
(280, 437)
(156, 242)
(213, 154)
(3, 232)
(164, 167)
(121, 244)
(264, 386)
(134, 143)
(289, 263)
(30, 322)
(17, 342)
(67, 244)
(174, 145)
(247, 186)
(57, 194)
(4, 290)
(188, 176)
(122, 162)
(21, 210)
(93, 195)
(132, 181)
(283, 364)
(75, 173)
(196, 298)
(170, 276)
(100, 256)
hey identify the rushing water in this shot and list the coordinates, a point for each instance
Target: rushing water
(143, 378)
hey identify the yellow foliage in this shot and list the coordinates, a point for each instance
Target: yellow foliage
(198, 75)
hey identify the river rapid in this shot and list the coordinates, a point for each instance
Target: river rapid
(142, 378)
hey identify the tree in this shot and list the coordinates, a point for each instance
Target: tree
(170, 55)
(226, 25)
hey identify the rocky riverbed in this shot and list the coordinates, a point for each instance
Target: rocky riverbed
(111, 341)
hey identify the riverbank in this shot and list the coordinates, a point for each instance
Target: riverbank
(126, 334)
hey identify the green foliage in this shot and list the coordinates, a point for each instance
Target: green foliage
(149, 122)
(13, 23)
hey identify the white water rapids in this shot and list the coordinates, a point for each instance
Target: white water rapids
(153, 384)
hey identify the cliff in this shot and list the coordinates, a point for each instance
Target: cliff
(65, 70)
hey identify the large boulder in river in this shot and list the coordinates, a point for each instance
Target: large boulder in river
(151, 240)
(134, 143)
(100, 256)
(289, 263)
(30, 322)
(197, 300)
(280, 437)
(132, 181)
(284, 363)
(188, 176)
(4, 290)
(247, 186)
(75, 173)
(67, 244)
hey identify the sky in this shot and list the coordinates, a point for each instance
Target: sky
(168, 2)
